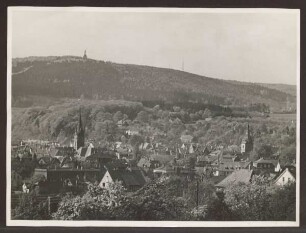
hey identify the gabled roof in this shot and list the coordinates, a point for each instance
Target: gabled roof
(206, 151)
(238, 176)
(82, 151)
(67, 160)
(163, 158)
(186, 137)
(271, 161)
(99, 153)
(215, 153)
(206, 158)
(62, 151)
(147, 162)
(128, 177)
(291, 170)
(45, 159)
(164, 169)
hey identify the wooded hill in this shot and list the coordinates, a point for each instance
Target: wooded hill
(74, 77)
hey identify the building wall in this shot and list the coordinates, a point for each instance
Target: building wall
(243, 148)
(106, 180)
(285, 178)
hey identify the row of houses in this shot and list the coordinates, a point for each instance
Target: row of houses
(283, 177)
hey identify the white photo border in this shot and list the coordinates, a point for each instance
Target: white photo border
(56, 223)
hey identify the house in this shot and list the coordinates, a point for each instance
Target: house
(205, 151)
(186, 138)
(217, 153)
(44, 161)
(286, 176)
(204, 160)
(179, 169)
(58, 178)
(131, 179)
(95, 156)
(25, 156)
(271, 165)
(68, 162)
(122, 123)
(145, 146)
(164, 170)
(148, 163)
(229, 158)
(162, 158)
(62, 151)
(82, 152)
(132, 132)
(193, 149)
(238, 176)
(99, 156)
(124, 151)
(227, 167)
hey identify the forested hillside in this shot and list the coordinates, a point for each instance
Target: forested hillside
(289, 89)
(74, 77)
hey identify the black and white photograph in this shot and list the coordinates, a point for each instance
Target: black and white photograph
(185, 117)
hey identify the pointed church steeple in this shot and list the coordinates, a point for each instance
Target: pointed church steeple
(80, 121)
(247, 142)
(248, 131)
(79, 136)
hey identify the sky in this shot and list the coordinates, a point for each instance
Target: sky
(246, 46)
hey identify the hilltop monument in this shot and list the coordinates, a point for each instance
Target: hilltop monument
(85, 56)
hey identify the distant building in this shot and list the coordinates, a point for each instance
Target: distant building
(79, 136)
(247, 142)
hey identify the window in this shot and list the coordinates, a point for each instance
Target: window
(103, 184)
(283, 179)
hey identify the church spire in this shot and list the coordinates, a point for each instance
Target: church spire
(248, 131)
(79, 136)
(80, 120)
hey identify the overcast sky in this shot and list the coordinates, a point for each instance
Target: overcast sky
(253, 47)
